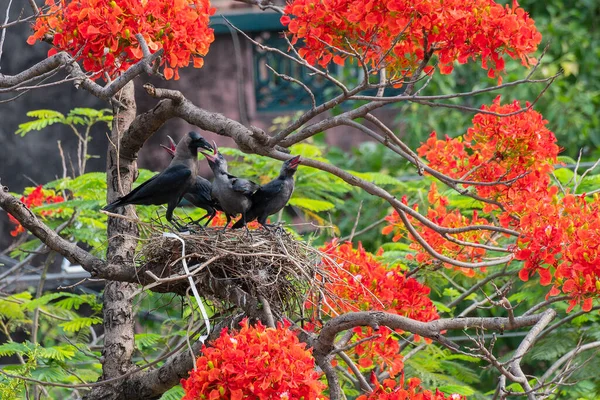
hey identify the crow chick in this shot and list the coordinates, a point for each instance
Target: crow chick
(232, 193)
(273, 196)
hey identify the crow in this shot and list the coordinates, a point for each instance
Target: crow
(273, 196)
(232, 193)
(198, 194)
(169, 186)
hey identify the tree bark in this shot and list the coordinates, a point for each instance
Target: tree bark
(121, 171)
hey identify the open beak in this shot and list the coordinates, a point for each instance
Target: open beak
(172, 143)
(294, 162)
(213, 156)
(171, 148)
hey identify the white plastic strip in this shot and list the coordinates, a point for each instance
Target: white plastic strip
(192, 285)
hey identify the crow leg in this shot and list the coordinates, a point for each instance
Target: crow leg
(263, 222)
(208, 214)
(245, 224)
(169, 217)
(228, 221)
(210, 218)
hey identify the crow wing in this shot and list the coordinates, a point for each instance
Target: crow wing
(160, 189)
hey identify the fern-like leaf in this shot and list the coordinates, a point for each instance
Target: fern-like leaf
(80, 323)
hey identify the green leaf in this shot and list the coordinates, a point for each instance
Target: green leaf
(49, 374)
(175, 393)
(441, 306)
(311, 204)
(11, 310)
(44, 119)
(43, 300)
(43, 114)
(378, 178)
(563, 175)
(146, 340)
(451, 389)
(10, 348)
(58, 353)
(80, 323)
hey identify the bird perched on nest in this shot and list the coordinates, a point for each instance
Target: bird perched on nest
(169, 186)
(232, 193)
(273, 196)
(199, 193)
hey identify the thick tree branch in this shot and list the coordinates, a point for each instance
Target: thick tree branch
(324, 343)
(50, 238)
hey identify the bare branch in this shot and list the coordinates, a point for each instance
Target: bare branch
(567, 357)
(62, 59)
(525, 346)
(3, 34)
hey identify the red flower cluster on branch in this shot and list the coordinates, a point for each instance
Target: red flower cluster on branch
(397, 34)
(102, 32)
(357, 281)
(439, 214)
(390, 389)
(514, 156)
(254, 363)
(36, 198)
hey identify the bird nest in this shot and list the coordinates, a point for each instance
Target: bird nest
(266, 265)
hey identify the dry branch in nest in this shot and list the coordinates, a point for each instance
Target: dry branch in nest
(270, 265)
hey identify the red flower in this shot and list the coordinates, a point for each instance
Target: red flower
(559, 232)
(392, 390)
(36, 198)
(357, 281)
(102, 32)
(393, 33)
(257, 363)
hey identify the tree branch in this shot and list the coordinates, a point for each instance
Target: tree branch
(50, 238)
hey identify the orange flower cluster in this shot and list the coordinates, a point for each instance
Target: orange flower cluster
(256, 363)
(36, 198)
(517, 151)
(357, 281)
(392, 390)
(102, 32)
(220, 219)
(561, 242)
(515, 155)
(440, 215)
(397, 33)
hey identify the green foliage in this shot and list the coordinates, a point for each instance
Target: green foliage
(61, 314)
(441, 369)
(80, 323)
(77, 116)
(175, 393)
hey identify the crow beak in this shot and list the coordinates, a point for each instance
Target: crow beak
(294, 162)
(168, 149)
(172, 146)
(172, 143)
(213, 156)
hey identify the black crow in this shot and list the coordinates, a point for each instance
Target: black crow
(169, 186)
(198, 194)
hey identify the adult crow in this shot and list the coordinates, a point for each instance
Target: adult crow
(169, 186)
(198, 194)
(273, 196)
(232, 193)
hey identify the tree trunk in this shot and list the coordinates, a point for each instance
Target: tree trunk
(118, 313)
